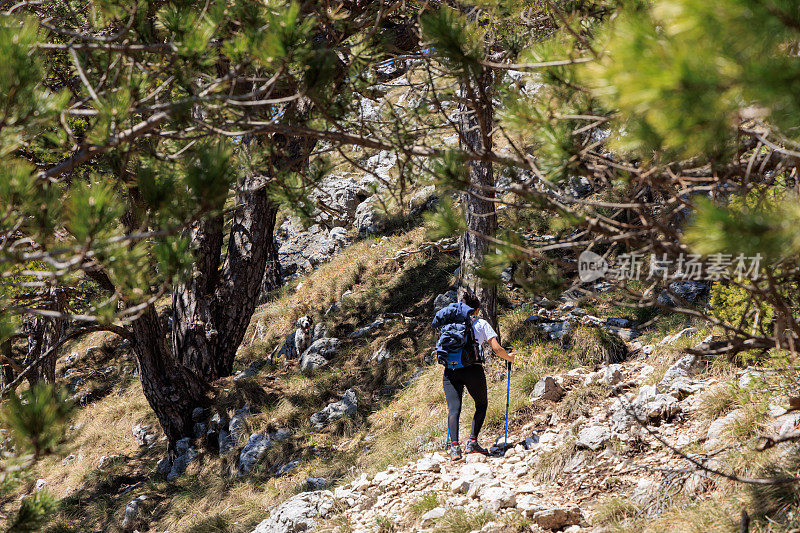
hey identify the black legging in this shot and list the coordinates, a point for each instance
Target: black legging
(454, 382)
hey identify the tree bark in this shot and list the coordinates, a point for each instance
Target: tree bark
(45, 333)
(272, 274)
(194, 303)
(211, 311)
(172, 390)
(6, 370)
(476, 120)
(250, 240)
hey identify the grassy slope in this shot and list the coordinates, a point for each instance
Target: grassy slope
(207, 498)
(398, 417)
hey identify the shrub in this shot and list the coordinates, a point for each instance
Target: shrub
(459, 521)
(595, 345)
(614, 509)
(732, 304)
(423, 504)
(779, 502)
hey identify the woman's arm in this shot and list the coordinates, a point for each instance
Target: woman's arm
(500, 351)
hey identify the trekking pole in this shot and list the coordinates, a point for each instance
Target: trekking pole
(508, 396)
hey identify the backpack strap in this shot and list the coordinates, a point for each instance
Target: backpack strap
(471, 346)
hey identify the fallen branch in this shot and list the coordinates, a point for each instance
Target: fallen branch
(442, 245)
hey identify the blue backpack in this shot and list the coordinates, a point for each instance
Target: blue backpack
(456, 346)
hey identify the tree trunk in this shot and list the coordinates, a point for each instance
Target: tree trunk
(211, 311)
(272, 274)
(172, 390)
(249, 244)
(476, 122)
(7, 374)
(194, 331)
(44, 333)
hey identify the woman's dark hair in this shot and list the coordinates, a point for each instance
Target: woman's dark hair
(471, 300)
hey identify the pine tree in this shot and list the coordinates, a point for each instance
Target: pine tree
(153, 158)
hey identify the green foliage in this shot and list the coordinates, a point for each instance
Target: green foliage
(37, 418)
(429, 500)
(446, 221)
(94, 210)
(736, 305)
(33, 511)
(679, 71)
(451, 171)
(209, 174)
(8, 322)
(26, 105)
(456, 40)
(738, 229)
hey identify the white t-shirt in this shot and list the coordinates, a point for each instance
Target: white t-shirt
(483, 331)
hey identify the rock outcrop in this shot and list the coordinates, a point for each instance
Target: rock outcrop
(299, 513)
(347, 406)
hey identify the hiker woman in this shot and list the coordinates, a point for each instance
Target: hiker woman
(474, 379)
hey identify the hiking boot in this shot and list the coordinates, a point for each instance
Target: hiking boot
(455, 452)
(474, 447)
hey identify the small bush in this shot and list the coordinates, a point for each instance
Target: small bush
(423, 504)
(732, 304)
(614, 509)
(459, 521)
(595, 345)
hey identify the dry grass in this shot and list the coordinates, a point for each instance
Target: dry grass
(354, 268)
(717, 514)
(579, 400)
(460, 521)
(550, 464)
(397, 419)
(719, 401)
(593, 345)
(207, 498)
(616, 513)
(102, 430)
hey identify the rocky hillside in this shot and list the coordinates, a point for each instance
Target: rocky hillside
(610, 419)
(597, 449)
(342, 428)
